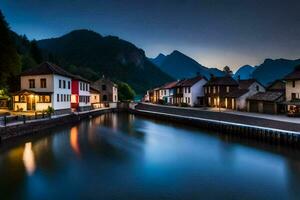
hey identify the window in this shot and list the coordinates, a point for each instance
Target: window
(69, 84)
(214, 89)
(103, 87)
(86, 87)
(44, 99)
(294, 84)
(31, 83)
(43, 83)
(189, 90)
(59, 83)
(209, 89)
(227, 89)
(257, 88)
(16, 98)
(65, 98)
(165, 91)
(57, 98)
(64, 84)
(61, 97)
(293, 96)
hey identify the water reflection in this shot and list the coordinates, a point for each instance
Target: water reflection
(128, 157)
(28, 159)
(74, 140)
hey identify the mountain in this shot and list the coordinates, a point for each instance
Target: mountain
(180, 66)
(158, 60)
(271, 70)
(244, 72)
(91, 55)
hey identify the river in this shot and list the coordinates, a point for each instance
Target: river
(123, 156)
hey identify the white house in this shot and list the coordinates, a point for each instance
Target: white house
(237, 99)
(192, 90)
(44, 86)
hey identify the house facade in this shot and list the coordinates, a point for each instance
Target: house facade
(80, 99)
(217, 89)
(292, 92)
(237, 99)
(193, 91)
(108, 90)
(271, 101)
(46, 85)
(95, 98)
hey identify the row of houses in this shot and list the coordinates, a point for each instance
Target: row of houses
(48, 85)
(225, 92)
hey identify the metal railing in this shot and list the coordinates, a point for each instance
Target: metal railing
(10, 119)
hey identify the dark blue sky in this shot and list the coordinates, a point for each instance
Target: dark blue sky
(214, 32)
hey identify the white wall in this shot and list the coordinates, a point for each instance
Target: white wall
(197, 90)
(84, 92)
(115, 94)
(61, 91)
(289, 89)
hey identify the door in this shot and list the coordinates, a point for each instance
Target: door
(268, 108)
(253, 106)
(30, 102)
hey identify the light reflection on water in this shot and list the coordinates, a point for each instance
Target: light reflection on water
(120, 156)
(28, 159)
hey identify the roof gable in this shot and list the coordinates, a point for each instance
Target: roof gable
(46, 68)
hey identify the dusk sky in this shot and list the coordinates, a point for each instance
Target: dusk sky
(215, 33)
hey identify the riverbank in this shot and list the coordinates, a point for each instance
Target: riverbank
(244, 126)
(30, 127)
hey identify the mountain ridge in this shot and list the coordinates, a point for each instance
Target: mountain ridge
(179, 65)
(93, 55)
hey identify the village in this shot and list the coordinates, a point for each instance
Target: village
(50, 89)
(225, 93)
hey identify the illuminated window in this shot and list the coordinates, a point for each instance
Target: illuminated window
(17, 98)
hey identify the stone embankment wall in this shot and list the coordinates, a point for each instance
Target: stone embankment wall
(270, 131)
(18, 130)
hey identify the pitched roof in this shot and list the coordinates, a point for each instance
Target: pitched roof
(190, 82)
(245, 84)
(295, 75)
(266, 96)
(225, 80)
(77, 77)
(237, 93)
(92, 89)
(170, 85)
(46, 68)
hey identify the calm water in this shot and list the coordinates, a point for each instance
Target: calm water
(120, 156)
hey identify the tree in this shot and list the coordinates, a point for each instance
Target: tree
(227, 70)
(125, 92)
(10, 65)
(35, 52)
